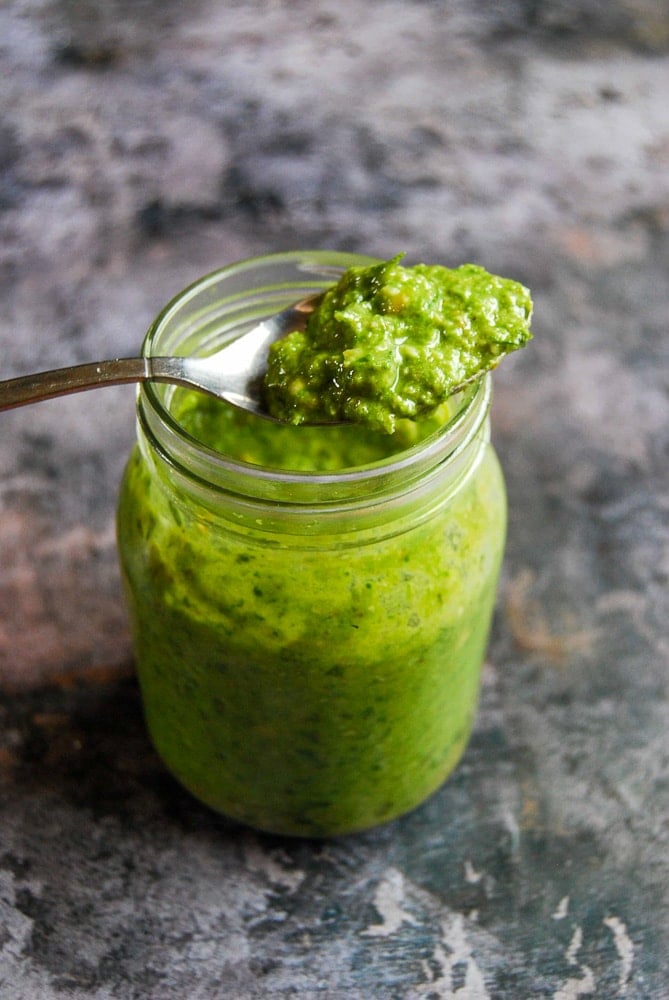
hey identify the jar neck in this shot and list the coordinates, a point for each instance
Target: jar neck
(415, 480)
(222, 306)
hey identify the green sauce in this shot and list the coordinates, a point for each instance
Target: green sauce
(300, 676)
(390, 342)
(247, 438)
(314, 685)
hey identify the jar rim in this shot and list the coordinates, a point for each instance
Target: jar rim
(310, 271)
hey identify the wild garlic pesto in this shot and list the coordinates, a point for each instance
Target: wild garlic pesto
(390, 342)
(306, 679)
(310, 606)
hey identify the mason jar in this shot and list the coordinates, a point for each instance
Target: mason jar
(308, 641)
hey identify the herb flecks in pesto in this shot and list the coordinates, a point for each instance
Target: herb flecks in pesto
(309, 683)
(389, 342)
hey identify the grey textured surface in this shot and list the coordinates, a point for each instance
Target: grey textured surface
(144, 143)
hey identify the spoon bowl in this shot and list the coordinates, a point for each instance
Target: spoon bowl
(234, 373)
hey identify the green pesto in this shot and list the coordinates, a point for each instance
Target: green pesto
(390, 342)
(247, 438)
(308, 685)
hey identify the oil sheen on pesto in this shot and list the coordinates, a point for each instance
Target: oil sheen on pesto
(390, 342)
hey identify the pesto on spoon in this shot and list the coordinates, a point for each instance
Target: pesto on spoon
(389, 342)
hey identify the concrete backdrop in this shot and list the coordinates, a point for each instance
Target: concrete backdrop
(145, 143)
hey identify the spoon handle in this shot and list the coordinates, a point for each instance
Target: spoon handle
(61, 381)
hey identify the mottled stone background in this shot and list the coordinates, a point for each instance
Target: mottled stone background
(145, 142)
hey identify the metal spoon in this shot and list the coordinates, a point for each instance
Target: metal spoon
(234, 373)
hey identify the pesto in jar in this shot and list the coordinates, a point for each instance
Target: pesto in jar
(312, 684)
(310, 605)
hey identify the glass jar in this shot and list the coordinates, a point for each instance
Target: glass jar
(308, 643)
